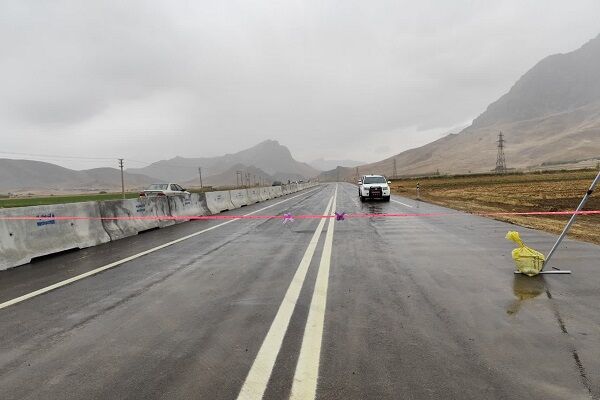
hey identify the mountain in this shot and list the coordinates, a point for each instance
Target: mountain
(230, 177)
(37, 176)
(551, 115)
(268, 156)
(325, 165)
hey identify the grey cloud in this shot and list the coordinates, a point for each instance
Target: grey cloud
(219, 76)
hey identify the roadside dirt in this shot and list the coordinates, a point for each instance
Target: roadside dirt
(555, 191)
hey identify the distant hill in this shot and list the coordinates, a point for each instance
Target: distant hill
(37, 176)
(326, 165)
(268, 156)
(550, 115)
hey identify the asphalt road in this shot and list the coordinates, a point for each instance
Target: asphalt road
(365, 308)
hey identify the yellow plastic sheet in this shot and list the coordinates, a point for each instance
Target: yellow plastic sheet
(527, 260)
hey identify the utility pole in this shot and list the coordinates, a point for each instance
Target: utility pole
(500, 160)
(357, 177)
(239, 181)
(395, 170)
(200, 173)
(122, 179)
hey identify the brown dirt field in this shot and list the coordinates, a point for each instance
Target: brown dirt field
(549, 191)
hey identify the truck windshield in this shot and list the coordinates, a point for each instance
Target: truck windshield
(374, 179)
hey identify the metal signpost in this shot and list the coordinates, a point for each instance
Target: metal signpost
(568, 226)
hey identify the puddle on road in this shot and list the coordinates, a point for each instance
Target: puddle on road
(525, 288)
(374, 207)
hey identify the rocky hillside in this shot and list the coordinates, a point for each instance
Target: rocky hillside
(37, 176)
(551, 115)
(268, 156)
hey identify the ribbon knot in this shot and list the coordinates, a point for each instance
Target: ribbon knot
(340, 216)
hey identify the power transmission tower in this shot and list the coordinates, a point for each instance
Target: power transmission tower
(122, 179)
(500, 159)
(200, 173)
(395, 170)
(238, 178)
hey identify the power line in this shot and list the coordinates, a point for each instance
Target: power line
(56, 156)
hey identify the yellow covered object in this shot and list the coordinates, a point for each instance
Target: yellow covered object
(528, 261)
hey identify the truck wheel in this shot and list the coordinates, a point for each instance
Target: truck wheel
(387, 198)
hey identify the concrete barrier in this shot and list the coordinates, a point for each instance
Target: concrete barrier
(239, 198)
(278, 191)
(254, 195)
(188, 206)
(117, 212)
(264, 193)
(219, 201)
(272, 192)
(22, 240)
(285, 189)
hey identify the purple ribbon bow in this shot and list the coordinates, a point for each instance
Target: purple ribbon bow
(340, 216)
(287, 217)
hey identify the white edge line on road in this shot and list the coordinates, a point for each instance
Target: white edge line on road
(404, 204)
(304, 386)
(133, 257)
(258, 377)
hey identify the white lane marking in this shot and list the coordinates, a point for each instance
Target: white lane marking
(133, 257)
(404, 204)
(304, 386)
(258, 378)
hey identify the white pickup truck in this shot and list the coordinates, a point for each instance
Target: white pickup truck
(374, 187)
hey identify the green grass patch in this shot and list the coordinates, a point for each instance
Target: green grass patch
(46, 200)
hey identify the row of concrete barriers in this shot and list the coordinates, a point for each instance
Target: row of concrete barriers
(96, 222)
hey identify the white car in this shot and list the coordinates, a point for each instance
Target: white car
(164, 189)
(374, 187)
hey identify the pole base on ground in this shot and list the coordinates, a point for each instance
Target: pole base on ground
(549, 272)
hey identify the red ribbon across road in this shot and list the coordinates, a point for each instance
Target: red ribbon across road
(346, 216)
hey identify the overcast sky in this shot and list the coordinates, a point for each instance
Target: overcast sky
(148, 80)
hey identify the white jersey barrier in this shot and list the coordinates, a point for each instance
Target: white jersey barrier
(278, 191)
(254, 195)
(239, 198)
(219, 201)
(22, 240)
(188, 206)
(123, 218)
(264, 193)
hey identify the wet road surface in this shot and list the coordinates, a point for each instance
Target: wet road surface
(365, 308)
